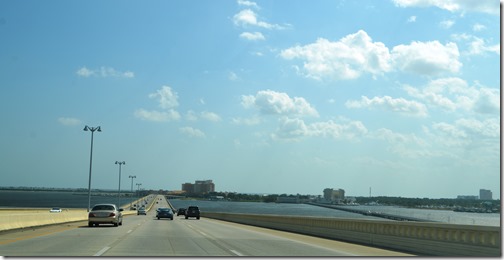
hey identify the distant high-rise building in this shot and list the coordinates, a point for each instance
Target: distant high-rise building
(188, 187)
(199, 187)
(334, 195)
(485, 194)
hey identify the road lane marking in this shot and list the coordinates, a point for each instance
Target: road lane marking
(101, 252)
(236, 252)
(217, 242)
(129, 231)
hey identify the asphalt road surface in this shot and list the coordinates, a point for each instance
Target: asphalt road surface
(147, 236)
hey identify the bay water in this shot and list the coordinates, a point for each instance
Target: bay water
(49, 199)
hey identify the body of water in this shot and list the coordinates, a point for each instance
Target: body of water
(49, 199)
(445, 216)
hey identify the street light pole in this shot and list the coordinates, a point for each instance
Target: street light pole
(132, 177)
(119, 191)
(138, 189)
(92, 129)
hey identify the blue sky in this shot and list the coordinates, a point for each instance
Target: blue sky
(259, 96)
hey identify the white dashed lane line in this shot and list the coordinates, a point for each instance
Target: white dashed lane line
(213, 239)
(102, 251)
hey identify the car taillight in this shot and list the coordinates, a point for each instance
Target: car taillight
(91, 215)
(112, 214)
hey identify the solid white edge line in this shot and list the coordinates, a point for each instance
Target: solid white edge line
(236, 252)
(101, 252)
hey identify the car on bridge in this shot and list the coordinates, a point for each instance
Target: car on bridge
(192, 212)
(141, 211)
(105, 214)
(181, 211)
(55, 210)
(164, 213)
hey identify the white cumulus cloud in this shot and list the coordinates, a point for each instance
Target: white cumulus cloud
(104, 72)
(454, 93)
(192, 132)
(85, 72)
(446, 24)
(252, 36)
(476, 45)
(427, 58)
(248, 17)
(479, 136)
(270, 102)
(248, 3)
(478, 27)
(412, 19)
(210, 116)
(399, 105)
(166, 97)
(167, 100)
(357, 54)
(463, 6)
(344, 59)
(246, 121)
(293, 129)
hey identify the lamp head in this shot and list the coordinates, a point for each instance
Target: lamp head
(98, 129)
(86, 128)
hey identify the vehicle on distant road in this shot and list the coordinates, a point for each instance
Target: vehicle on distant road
(164, 213)
(192, 212)
(55, 210)
(105, 214)
(181, 211)
(141, 211)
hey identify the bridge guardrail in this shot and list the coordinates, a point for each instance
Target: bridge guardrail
(19, 218)
(422, 238)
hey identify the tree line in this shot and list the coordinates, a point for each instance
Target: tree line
(380, 200)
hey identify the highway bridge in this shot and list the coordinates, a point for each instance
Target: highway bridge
(233, 234)
(147, 236)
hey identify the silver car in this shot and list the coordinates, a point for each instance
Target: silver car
(105, 214)
(141, 211)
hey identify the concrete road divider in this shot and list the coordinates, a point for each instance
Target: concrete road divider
(422, 238)
(17, 218)
(25, 218)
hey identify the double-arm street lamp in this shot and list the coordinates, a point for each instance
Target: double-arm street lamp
(138, 189)
(119, 191)
(92, 129)
(132, 177)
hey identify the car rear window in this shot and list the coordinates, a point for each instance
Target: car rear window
(103, 207)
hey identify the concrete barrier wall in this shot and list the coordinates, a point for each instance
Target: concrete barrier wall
(422, 238)
(14, 218)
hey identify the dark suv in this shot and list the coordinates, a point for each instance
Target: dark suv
(192, 212)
